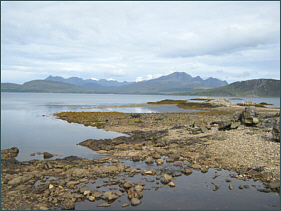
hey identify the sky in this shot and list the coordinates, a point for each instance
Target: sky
(135, 41)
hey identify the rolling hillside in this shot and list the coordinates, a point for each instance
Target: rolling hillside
(249, 88)
(44, 86)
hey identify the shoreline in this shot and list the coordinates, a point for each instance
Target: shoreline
(186, 141)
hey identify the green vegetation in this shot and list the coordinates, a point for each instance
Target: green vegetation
(251, 88)
(44, 86)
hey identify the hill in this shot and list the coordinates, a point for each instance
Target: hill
(44, 86)
(249, 88)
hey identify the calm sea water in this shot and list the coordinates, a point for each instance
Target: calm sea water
(27, 123)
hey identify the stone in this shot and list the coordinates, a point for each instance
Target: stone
(177, 164)
(196, 166)
(171, 184)
(125, 205)
(159, 161)
(166, 179)
(276, 130)
(10, 153)
(149, 160)
(231, 187)
(186, 171)
(104, 205)
(235, 125)
(47, 155)
(135, 201)
(274, 185)
(68, 204)
(250, 116)
(156, 155)
(128, 184)
(204, 129)
(91, 198)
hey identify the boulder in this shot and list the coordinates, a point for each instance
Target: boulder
(276, 130)
(47, 155)
(135, 201)
(68, 204)
(10, 153)
(250, 116)
(149, 160)
(166, 179)
(128, 184)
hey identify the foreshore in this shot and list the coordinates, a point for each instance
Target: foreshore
(217, 138)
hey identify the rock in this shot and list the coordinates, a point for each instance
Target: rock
(104, 205)
(97, 195)
(125, 205)
(47, 155)
(166, 179)
(156, 156)
(228, 180)
(276, 130)
(135, 201)
(10, 153)
(274, 185)
(177, 164)
(235, 125)
(139, 188)
(174, 156)
(83, 189)
(171, 184)
(21, 179)
(128, 184)
(224, 124)
(159, 161)
(231, 187)
(32, 154)
(250, 116)
(246, 103)
(149, 160)
(109, 195)
(204, 129)
(91, 198)
(119, 193)
(68, 204)
(170, 160)
(186, 171)
(196, 166)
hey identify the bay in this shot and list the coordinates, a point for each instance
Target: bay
(27, 122)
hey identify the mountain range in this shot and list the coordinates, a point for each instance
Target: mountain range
(179, 83)
(175, 82)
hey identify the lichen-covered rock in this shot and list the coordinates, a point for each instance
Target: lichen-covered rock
(250, 116)
(10, 153)
(68, 204)
(276, 130)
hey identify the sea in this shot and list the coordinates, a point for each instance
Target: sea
(27, 122)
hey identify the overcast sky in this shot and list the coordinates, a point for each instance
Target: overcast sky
(134, 41)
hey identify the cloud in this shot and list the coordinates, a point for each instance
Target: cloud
(131, 40)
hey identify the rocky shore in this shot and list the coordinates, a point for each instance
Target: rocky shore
(241, 138)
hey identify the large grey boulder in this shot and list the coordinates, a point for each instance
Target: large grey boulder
(276, 130)
(250, 116)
